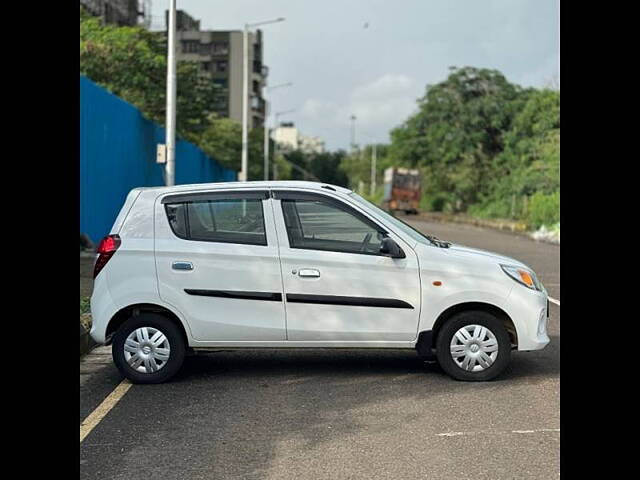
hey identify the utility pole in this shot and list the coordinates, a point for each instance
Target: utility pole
(373, 169)
(244, 172)
(170, 139)
(266, 140)
(353, 133)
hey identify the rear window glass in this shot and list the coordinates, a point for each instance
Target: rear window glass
(225, 220)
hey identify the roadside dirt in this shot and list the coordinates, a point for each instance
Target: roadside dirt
(86, 275)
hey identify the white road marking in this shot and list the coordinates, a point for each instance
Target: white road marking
(553, 300)
(107, 404)
(456, 434)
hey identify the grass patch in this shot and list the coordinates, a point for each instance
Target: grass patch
(84, 305)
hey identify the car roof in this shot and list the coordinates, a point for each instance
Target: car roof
(297, 184)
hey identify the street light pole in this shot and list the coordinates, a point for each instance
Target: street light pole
(374, 159)
(275, 144)
(170, 132)
(266, 128)
(245, 102)
(244, 172)
(266, 140)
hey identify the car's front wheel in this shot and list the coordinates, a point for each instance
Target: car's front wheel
(148, 348)
(473, 346)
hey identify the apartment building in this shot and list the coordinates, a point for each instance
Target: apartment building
(309, 144)
(288, 137)
(219, 54)
(116, 12)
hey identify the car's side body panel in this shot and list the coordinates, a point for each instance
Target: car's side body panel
(224, 316)
(357, 297)
(130, 276)
(233, 292)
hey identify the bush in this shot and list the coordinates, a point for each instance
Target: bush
(544, 209)
(434, 202)
(85, 305)
(492, 209)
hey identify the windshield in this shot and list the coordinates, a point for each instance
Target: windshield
(409, 230)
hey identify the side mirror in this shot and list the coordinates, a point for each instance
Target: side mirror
(391, 249)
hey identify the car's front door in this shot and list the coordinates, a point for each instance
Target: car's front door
(338, 286)
(217, 263)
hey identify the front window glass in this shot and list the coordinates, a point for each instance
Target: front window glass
(318, 225)
(413, 233)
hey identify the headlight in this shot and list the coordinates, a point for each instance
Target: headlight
(523, 276)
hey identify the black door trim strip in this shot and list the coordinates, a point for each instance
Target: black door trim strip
(267, 296)
(200, 196)
(354, 301)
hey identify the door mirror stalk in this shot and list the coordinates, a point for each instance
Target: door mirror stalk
(391, 249)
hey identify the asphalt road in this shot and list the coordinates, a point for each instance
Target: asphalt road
(336, 414)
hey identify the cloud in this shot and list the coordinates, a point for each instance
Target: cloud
(339, 68)
(378, 105)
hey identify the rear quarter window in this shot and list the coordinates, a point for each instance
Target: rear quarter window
(233, 220)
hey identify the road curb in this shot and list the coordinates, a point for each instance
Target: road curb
(86, 342)
(508, 226)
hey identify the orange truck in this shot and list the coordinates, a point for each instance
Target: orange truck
(402, 190)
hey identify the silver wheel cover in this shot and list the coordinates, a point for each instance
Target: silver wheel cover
(147, 350)
(474, 348)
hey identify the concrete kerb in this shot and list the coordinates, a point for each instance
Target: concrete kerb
(517, 228)
(86, 342)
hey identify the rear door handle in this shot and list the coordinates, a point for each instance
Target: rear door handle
(182, 266)
(309, 273)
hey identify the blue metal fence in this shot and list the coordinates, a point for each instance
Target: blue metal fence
(118, 153)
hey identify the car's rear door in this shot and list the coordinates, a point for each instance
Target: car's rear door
(338, 286)
(217, 263)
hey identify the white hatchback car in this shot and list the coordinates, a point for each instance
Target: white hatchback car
(300, 265)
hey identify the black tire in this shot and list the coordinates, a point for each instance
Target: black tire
(171, 332)
(458, 321)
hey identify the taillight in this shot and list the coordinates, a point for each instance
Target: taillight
(106, 249)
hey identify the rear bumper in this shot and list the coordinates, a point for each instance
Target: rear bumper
(102, 309)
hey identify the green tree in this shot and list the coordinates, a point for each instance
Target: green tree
(530, 162)
(357, 165)
(222, 140)
(458, 130)
(327, 167)
(131, 63)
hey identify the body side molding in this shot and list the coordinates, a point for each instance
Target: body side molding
(353, 301)
(268, 296)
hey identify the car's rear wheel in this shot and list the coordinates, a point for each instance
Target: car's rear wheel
(473, 346)
(148, 348)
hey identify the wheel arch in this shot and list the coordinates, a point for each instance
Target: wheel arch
(125, 313)
(431, 336)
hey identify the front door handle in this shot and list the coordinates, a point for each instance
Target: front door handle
(182, 266)
(309, 273)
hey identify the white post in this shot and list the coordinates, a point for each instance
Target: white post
(170, 139)
(373, 169)
(266, 140)
(244, 172)
(353, 133)
(245, 104)
(275, 149)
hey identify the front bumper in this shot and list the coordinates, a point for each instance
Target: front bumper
(530, 314)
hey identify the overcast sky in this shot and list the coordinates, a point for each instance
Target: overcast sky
(373, 58)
